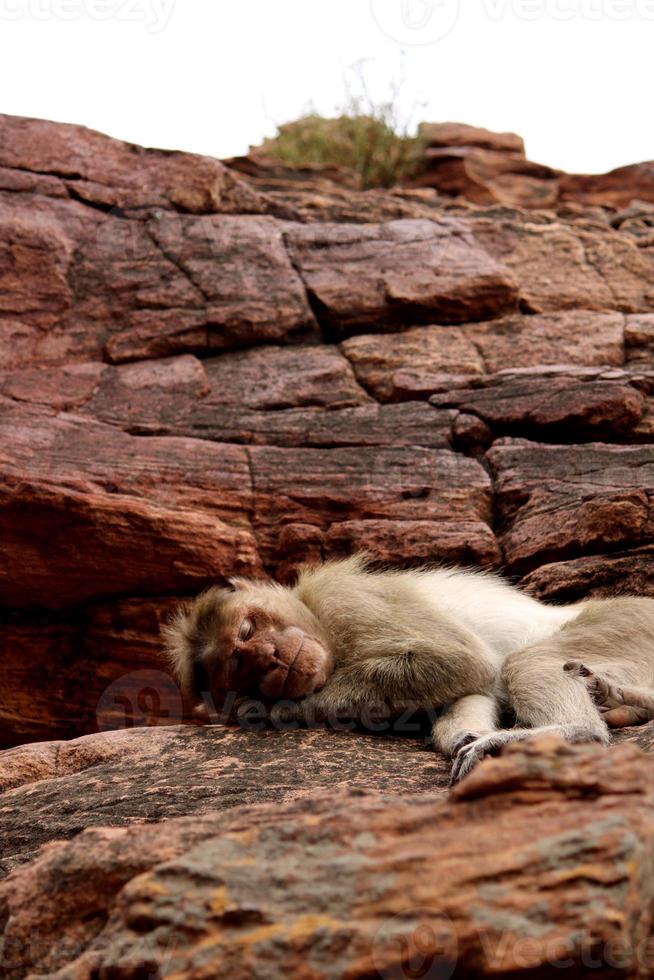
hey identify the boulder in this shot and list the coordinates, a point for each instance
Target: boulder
(569, 265)
(59, 160)
(423, 360)
(347, 881)
(557, 501)
(601, 576)
(82, 284)
(458, 134)
(436, 273)
(560, 401)
(486, 167)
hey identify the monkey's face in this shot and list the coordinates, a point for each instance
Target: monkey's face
(256, 640)
(260, 653)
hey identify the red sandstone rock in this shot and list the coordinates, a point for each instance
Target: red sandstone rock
(486, 167)
(413, 363)
(349, 883)
(580, 403)
(62, 160)
(423, 360)
(457, 134)
(639, 338)
(143, 286)
(59, 665)
(564, 266)
(331, 488)
(415, 271)
(576, 337)
(273, 378)
(617, 189)
(487, 176)
(153, 773)
(89, 511)
(603, 576)
(556, 501)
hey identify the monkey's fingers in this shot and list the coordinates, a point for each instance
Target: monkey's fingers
(472, 753)
(625, 716)
(636, 698)
(577, 668)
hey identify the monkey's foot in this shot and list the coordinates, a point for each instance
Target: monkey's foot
(471, 753)
(619, 706)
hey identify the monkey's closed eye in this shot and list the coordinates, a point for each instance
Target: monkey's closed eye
(246, 630)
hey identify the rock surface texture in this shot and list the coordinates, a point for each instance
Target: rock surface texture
(208, 370)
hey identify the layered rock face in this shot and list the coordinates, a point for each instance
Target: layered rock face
(201, 378)
(487, 168)
(205, 372)
(464, 164)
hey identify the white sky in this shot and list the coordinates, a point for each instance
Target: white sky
(573, 77)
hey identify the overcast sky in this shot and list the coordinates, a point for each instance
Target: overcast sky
(573, 77)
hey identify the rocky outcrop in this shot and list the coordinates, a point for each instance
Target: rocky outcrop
(201, 377)
(483, 167)
(71, 162)
(463, 164)
(206, 372)
(488, 168)
(539, 861)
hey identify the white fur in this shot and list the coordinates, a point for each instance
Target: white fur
(507, 619)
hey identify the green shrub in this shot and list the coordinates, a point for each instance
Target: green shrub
(366, 137)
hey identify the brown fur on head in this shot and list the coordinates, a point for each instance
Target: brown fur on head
(190, 631)
(256, 638)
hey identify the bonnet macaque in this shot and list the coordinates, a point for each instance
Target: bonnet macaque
(464, 646)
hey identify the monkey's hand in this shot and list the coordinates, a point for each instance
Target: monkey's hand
(491, 745)
(463, 739)
(470, 748)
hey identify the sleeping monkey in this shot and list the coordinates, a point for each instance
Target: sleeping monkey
(463, 646)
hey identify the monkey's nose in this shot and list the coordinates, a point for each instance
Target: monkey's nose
(260, 655)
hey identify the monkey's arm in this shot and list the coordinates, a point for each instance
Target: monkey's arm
(398, 670)
(464, 721)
